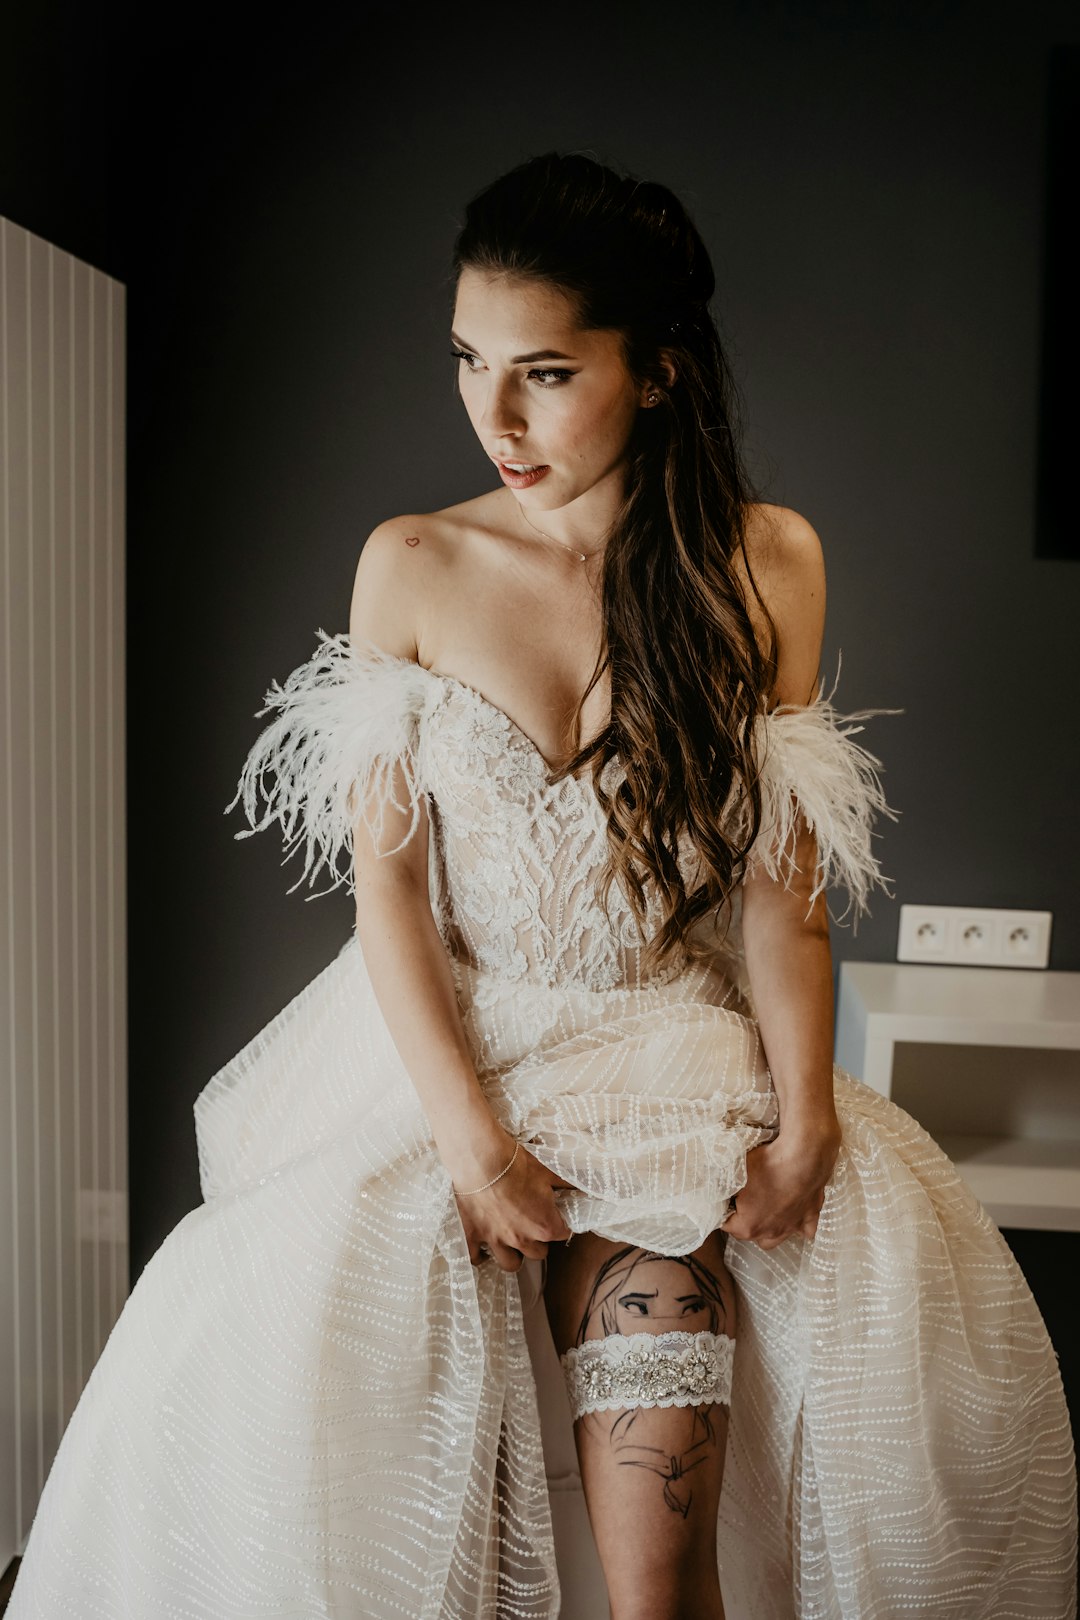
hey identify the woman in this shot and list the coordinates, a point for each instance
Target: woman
(573, 760)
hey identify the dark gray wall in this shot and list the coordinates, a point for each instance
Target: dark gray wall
(281, 205)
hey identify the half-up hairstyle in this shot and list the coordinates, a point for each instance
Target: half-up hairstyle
(688, 675)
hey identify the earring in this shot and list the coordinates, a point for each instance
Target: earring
(654, 397)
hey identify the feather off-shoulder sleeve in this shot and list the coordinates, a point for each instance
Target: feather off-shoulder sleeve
(809, 764)
(344, 720)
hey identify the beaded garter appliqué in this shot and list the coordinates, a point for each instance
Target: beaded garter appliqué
(648, 1369)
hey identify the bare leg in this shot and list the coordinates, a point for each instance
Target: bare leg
(652, 1475)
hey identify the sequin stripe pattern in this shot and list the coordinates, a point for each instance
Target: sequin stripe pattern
(648, 1369)
(897, 1402)
(312, 1404)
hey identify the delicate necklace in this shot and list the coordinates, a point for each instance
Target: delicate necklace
(573, 550)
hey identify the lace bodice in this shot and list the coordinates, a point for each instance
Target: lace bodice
(514, 858)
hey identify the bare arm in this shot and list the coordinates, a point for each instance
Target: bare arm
(409, 968)
(786, 942)
(410, 975)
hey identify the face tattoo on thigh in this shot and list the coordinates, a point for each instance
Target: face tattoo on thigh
(651, 1338)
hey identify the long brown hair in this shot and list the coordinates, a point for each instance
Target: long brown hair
(688, 674)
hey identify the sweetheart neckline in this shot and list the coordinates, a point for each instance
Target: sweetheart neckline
(516, 729)
(371, 650)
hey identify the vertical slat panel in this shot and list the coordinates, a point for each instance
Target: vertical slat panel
(104, 1087)
(43, 801)
(18, 382)
(82, 753)
(66, 1255)
(30, 1157)
(9, 1237)
(76, 536)
(116, 415)
(63, 958)
(92, 1176)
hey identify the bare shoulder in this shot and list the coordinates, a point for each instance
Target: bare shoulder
(784, 552)
(787, 565)
(409, 569)
(384, 588)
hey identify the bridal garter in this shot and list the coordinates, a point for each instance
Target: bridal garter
(648, 1369)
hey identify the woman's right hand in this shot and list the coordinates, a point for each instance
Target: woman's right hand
(517, 1217)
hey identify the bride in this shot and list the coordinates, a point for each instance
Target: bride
(573, 759)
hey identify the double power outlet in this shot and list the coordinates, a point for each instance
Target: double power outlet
(977, 935)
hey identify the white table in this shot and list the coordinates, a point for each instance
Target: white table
(1010, 1122)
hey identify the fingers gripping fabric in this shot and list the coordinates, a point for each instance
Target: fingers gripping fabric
(648, 1369)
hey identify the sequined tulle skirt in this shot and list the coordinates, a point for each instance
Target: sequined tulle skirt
(314, 1405)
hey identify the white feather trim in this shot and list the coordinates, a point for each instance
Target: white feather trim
(349, 715)
(811, 766)
(344, 720)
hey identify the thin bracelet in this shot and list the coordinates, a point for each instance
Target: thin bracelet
(493, 1180)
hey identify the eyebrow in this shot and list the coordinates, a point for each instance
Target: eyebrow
(519, 359)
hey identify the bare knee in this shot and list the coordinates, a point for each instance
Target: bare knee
(692, 1594)
(697, 1606)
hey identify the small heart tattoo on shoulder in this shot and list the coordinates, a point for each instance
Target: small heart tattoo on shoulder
(412, 539)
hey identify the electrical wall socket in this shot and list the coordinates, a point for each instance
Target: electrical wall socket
(103, 1215)
(977, 935)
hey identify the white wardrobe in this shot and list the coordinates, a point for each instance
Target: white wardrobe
(63, 948)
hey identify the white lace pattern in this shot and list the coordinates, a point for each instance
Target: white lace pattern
(648, 1369)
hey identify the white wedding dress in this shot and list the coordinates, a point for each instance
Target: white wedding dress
(313, 1405)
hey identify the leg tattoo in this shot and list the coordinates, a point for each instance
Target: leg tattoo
(651, 1338)
(635, 1286)
(672, 1469)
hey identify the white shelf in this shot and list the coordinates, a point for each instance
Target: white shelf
(1024, 1180)
(1021, 1182)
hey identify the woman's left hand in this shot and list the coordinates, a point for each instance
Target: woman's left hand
(785, 1186)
